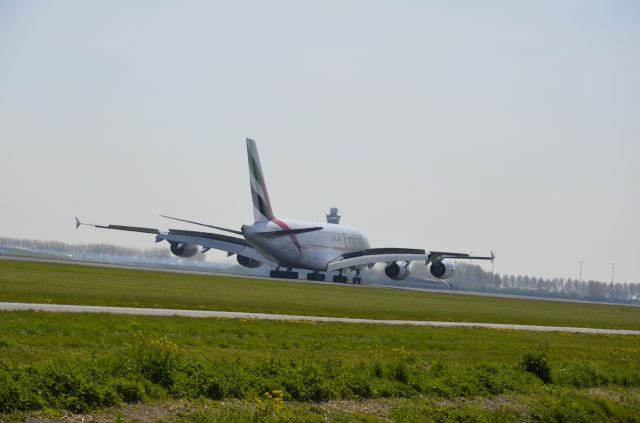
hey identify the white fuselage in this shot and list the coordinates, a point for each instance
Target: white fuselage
(311, 250)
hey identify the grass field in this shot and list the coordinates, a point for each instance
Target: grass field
(80, 362)
(122, 367)
(73, 284)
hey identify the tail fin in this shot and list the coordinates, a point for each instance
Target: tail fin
(261, 204)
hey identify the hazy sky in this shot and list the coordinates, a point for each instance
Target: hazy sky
(464, 126)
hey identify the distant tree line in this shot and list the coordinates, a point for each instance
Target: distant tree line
(93, 251)
(469, 277)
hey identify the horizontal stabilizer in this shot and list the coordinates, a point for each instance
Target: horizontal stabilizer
(287, 232)
(233, 231)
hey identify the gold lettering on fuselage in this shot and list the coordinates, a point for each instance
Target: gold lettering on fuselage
(353, 242)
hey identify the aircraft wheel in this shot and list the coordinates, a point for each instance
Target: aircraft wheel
(315, 277)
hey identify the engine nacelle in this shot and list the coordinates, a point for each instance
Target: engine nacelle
(182, 249)
(443, 269)
(397, 270)
(248, 262)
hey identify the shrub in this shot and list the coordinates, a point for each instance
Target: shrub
(536, 363)
(157, 360)
(400, 371)
(197, 380)
(77, 388)
(376, 369)
(585, 374)
(270, 403)
(130, 390)
(425, 411)
(572, 407)
(495, 379)
(16, 393)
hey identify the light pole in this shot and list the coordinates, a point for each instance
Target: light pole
(581, 263)
(613, 269)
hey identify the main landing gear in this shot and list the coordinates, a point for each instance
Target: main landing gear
(315, 276)
(284, 274)
(340, 278)
(357, 280)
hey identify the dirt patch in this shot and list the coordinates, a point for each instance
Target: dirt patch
(169, 411)
(143, 412)
(493, 403)
(614, 394)
(379, 408)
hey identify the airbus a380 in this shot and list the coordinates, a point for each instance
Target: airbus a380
(296, 244)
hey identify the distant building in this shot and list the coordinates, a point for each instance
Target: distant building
(333, 216)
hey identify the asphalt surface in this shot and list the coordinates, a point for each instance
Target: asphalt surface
(64, 308)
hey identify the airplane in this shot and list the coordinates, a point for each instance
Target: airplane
(289, 244)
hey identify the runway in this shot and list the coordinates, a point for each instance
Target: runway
(64, 308)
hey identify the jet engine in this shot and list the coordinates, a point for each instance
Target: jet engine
(182, 249)
(443, 269)
(248, 262)
(397, 270)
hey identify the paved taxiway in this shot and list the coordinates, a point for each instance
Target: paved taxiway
(64, 308)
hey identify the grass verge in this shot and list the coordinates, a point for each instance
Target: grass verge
(74, 284)
(283, 371)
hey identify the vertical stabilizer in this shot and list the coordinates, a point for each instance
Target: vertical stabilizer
(261, 204)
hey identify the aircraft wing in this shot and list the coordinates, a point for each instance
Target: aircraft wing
(387, 255)
(208, 240)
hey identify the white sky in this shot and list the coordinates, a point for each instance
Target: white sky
(464, 126)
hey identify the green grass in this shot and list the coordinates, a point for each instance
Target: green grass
(83, 362)
(199, 370)
(74, 284)
(32, 337)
